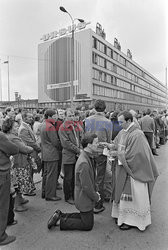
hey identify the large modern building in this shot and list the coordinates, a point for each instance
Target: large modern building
(101, 71)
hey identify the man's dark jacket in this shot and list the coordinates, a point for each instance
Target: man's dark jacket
(85, 188)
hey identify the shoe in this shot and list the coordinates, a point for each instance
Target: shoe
(125, 227)
(20, 209)
(116, 221)
(70, 201)
(30, 194)
(98, 210)
(13, 223)
(24, 201)
(53, 199)
(9, 239)
(43, 196)
(154, 152)
(54, 219)
(107, 199)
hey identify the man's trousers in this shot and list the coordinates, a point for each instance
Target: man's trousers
(4, 202)
(149, 137)
(11, 213)
(100, 164)
(49, 183)
(83, 221)
(68, 182)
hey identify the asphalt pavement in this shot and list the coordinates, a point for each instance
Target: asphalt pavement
(32, 233)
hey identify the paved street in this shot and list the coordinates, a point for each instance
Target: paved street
(32, 232)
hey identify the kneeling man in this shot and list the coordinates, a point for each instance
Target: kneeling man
(85, 191)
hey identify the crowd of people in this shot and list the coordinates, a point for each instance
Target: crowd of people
(101, 156)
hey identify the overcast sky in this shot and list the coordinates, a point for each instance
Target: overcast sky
(139, 25)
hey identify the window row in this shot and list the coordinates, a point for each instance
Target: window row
(142, 91)
(108, 51)
(102, 62)
(134, 68)
(157, 90)
(102, 91)
(150, 79)
(108, 92)
(123, 84)
(103, 77)
(113, 54)
(143, 83)
(107, 78)
(116, 56)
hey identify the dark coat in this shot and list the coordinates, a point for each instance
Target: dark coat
(147, 124)
(26, 134)
(116, 128)
(69, 143)
(50, 143)
(101, 126)
(7, 148)
(20, 160)
(85, 188)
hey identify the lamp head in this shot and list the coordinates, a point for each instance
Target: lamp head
(81, 20)
(63, 9)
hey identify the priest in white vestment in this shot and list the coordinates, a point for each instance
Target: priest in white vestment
(133, 177)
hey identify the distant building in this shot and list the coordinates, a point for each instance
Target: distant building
(20, 103)
(102, 71)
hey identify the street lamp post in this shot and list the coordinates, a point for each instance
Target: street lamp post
(8, 79)
(72, 64)
(72, 51)
(166, 90)
(0, 83)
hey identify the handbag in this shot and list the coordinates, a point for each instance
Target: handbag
(38, 162)
(32, 163)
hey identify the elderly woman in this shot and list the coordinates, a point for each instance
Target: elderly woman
(20, 164)
(36, 128)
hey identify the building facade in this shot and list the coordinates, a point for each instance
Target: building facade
(101, 71)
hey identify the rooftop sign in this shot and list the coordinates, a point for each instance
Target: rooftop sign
(64, 31)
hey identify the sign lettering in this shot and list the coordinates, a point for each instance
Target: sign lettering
(64, 31)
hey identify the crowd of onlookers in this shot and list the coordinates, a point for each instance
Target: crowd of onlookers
(49, 141)
(160, 118)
